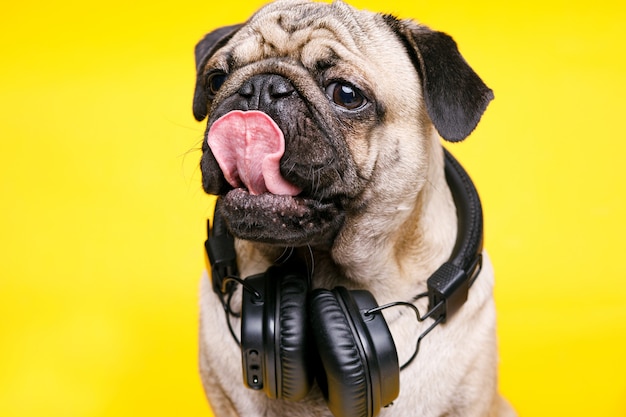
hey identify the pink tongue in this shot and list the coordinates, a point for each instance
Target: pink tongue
(248, 147)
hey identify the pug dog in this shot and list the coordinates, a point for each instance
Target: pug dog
(323, 143)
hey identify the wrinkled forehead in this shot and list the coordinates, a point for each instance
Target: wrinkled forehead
(305, 32)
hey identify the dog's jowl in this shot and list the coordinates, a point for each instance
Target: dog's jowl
(347, 274)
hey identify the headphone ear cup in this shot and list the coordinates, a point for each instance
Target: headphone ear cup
(275, 336)
(358, 355)
(344, 380)
(294, 376)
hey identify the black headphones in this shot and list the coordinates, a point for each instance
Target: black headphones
(288, 332)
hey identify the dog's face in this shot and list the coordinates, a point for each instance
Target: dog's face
(317, 111)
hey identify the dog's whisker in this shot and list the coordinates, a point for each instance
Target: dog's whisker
(311, 267)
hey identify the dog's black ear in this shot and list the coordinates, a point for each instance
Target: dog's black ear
(204, 50)
(454, 94)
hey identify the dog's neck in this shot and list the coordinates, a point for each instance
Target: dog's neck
(392, 258)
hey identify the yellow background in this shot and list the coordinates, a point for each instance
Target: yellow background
(102, 215)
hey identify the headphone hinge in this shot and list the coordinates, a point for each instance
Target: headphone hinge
(448, 288)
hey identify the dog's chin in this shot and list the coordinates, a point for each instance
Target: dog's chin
(280, 219)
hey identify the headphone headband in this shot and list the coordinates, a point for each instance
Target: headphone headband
(447, 288)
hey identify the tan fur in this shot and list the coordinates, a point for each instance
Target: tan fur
(404, 232)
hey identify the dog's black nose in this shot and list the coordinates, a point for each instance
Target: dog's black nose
(265, 89)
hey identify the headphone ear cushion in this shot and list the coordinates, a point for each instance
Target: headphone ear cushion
(293, 339)
(345, 381)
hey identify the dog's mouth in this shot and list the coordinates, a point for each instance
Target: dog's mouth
(280, 219)
(260, 203)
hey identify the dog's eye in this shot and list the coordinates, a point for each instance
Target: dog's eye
(215, 81)
(345, 95)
